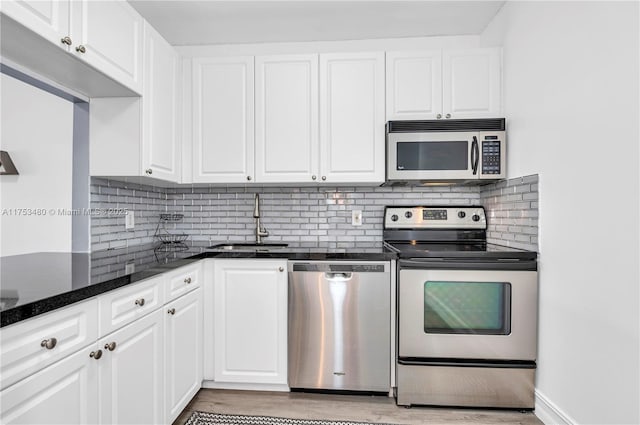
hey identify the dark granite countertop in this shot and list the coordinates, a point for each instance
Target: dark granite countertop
(33, 284)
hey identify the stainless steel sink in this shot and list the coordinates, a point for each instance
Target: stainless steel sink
(248, 246)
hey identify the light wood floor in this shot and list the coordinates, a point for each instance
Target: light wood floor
(342, 407)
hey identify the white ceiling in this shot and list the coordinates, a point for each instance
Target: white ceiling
(188, 22)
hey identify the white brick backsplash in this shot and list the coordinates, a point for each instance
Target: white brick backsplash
(512, 212)
(303, 216)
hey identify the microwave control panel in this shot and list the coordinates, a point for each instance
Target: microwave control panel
(491, 155)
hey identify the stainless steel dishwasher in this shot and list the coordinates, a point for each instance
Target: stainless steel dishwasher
(339, 325)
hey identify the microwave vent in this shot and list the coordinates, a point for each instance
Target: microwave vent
(485, 124)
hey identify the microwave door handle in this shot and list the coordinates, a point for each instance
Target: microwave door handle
(475, 155)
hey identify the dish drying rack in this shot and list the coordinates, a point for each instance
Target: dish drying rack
(164, 235)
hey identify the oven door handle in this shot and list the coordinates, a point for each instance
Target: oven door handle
(459, 264)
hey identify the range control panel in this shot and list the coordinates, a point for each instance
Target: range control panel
(435, 218)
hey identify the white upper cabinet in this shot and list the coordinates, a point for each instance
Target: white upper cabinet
(352, 117)
(140, 136)
(49, 18)
(447, 84)
(286, 118)
(222, 108)
(471, 83)
(160, 98)
(107, 35)
(414, 85)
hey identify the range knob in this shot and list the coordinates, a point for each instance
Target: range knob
(475, 217)
(394, 217)
(462, 214)
(408, 214)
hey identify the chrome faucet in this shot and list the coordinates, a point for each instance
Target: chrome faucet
(261, 232)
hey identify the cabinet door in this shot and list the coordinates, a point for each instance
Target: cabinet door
(414, 85)
(160, 145)
(223, 120)
(29, 346)
(352, 123)
(63, 393)
(287, 118)
(110, 33)
(472, 83)
(131, 375)
(183, 352)
(250, 319)
(47, 18)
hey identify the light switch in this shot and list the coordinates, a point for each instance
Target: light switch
(129, 220)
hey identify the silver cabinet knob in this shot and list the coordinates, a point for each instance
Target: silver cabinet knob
(148, 171)
(95, 354)
(140, 302)
(187, 280)
(249, 178)
(110, 346)
(81, 49)
(66, 40)
(313, 177)
(324, 178)
(171, 311)
(49, 343)
(439, 116)
(448, 116)
(281, 269)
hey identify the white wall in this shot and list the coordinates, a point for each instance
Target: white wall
(37, 131)
(571, 79)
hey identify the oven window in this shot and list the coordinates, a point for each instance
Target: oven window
(482, 308)
(432, 155)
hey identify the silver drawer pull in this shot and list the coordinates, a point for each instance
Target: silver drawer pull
(187, 280)
(49, 343)
(95, 354)
(140, 302)
(171, 311)
(110, 346)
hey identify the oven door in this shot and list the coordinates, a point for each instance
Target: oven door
(467, 314)
(433, 156)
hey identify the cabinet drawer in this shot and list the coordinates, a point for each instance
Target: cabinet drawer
(30, 346)
(183, 280)
(125, 305)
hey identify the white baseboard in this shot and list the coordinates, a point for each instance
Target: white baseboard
(549, 413)
(242, 386)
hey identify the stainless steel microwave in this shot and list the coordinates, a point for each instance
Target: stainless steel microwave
(470, 150)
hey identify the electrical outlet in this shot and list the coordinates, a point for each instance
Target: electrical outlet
(130, 267)
(356, 217)
(129, 220)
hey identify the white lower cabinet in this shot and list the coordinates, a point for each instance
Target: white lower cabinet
(131, 373)
(63, 393)
(142, 370)
(250, 321)
(183, 352)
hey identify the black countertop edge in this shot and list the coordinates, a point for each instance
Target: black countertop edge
(45, 305)
(309, 256)
(36, 308)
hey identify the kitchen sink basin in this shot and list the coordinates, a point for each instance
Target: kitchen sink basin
(248, 246)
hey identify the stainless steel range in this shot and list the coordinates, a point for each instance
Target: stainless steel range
(467, 311)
